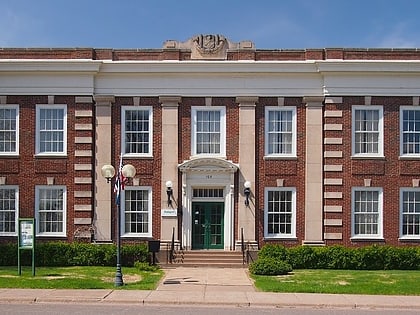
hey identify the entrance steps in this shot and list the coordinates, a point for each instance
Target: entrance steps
(209, 258)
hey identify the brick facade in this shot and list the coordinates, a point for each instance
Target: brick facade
(140, 77)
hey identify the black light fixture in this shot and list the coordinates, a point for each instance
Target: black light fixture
(247, 192)
(169, 192)
(127, 171)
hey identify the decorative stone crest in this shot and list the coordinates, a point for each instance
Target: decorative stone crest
(209, 46)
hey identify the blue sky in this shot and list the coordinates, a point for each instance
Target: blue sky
(270, 24)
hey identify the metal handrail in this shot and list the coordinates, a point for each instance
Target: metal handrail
(172, 251)
(243, 249)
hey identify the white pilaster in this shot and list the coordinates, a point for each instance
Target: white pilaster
(102, 217)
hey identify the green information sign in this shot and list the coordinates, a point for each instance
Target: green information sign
(26, 240)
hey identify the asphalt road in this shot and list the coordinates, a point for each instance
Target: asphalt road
(124, 309)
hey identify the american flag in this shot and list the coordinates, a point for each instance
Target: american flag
(119, 182)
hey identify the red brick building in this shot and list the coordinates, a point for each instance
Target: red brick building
(327, 142)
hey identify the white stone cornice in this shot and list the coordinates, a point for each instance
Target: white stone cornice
(50, 65)
(364, 66)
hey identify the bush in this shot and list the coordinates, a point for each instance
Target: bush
(374, 257)
(144, 266)
(269, 266)
(61, 254)
(274, 251)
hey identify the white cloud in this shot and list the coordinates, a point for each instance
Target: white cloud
(400, 36)
(9, 26)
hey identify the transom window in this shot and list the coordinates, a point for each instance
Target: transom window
(9, 129)
(137, 215)
(208, 193)
(367, 212)
(8, 210)
(280, 131)
(209, 131)
(409, 131)
(51, 210)
(280, 213)
(410, 212)
(51, 129)
(367, 131)
(137, 130)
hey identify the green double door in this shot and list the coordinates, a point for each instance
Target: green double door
(207, 225)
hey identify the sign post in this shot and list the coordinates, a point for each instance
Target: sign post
(26, 240)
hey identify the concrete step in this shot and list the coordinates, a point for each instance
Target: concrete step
(209, 258)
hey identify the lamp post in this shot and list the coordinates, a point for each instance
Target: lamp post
(125, 172)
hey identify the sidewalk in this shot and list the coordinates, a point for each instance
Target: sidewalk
(209, 286)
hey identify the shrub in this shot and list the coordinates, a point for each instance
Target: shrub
(144, 266)
(374, 257)
(74, 254)
(274, 251)
(269, 266)
(302, 257)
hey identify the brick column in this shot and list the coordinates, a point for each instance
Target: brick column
(314, 171)
(103, 142)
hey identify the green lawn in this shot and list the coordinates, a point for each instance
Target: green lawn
(89, 277)
(389, 282)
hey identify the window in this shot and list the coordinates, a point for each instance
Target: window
(137, 131)
(51, 210)
(137, 215)
(51, 129)
(410, 213)
(9, 129)
(209, 131)
(367, 212)
(8, 210)
(280, 131)
(280, 213)
(367, 131)
(409, 131)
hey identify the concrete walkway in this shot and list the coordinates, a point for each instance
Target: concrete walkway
(209, 286)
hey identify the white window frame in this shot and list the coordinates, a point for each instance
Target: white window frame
(379, 235)
(402, 110)
(222, 111)
(16, 189)
(402, 191)
(64, 210)
(124, 109)
(38, 151)
(17, 131)
(380, 153)
(269, 109)
(292, 234)
(149, 212)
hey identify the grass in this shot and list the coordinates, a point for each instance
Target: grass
(388, 282)
(88, 277)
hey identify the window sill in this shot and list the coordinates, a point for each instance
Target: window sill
(367, 157)
(409, 239)
(279, 157)
(367, 239)
(137, 156)
(51, 156)
(280, 238)
(142, 236)
(200, 156)
(409, 157)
